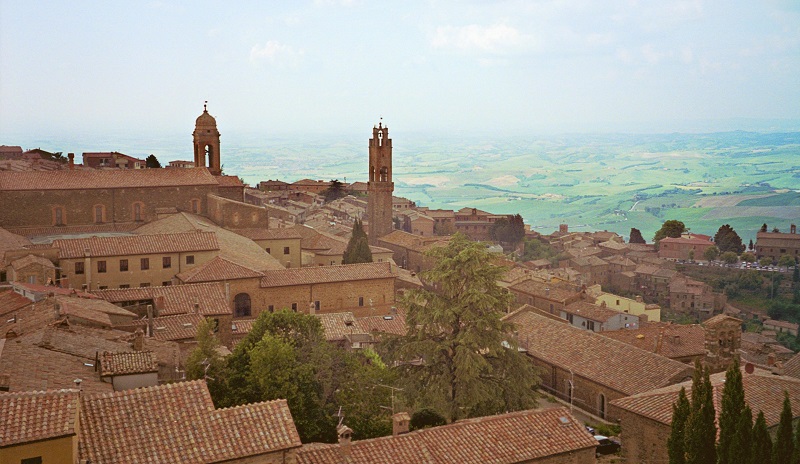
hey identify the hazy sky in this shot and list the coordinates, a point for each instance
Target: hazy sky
(435, 66)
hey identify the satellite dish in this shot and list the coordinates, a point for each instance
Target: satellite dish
(749, 368)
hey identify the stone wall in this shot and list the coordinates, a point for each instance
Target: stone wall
(235, 214)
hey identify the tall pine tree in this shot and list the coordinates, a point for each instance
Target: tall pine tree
(732, 407)
(357, 250)
(762, 443)
(701, 431)
(675, 442)
(784, 446)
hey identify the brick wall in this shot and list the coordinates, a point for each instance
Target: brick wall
(645, 440)
(234, 214)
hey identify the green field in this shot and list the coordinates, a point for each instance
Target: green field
(591, 182)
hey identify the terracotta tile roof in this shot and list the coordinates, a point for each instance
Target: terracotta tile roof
(762, 391)
(178, 423)
(412, 242)
(229, 181)
(327, 274)
(338, 325)
(11, 301)
(677, 341)
(590, 311)
(177, 299)
(508, 438)
(175, 328)
(128, 362)
(782, 324)
(687, 240)
(48, 234)
(394, 324)
(78, 314)
(621, 367)
(20, 263)
(548, 290)
(613, 245)
(216, 270)
(269, 234)
(104, 179)
(137, 244)
(791, 367)
(34, 416)
(95, 305)
(46, 290)
(11, 241)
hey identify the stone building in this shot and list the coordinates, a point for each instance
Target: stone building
(684, 248)
(776, 244)
(97, 160)
(206, 143)
(380, 185)
(587, 369)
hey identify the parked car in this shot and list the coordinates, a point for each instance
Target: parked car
(607, 445)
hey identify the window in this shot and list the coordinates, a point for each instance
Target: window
(294, 307)
(125, 286)
(195, 206)
(190, 259)
(268, 250)
(103, 287)
(271, 308)
(361, 301)
(79, 268)
(123, 265)
(58, 216)
(166, 283)
(36, 460)
(590, 325)
(137, 211)
(101, 266)
(241, 304)
(166, 262)
(144, 264)
(99, 212)
(144, 284)
(316, 305)
(286, 250)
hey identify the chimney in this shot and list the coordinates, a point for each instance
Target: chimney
(197, 307)
(345, 434)
(138, 340)
(771, 359)
(71, 157)
(149, 320)
(793, 229)
(400, 423)
(659, 341)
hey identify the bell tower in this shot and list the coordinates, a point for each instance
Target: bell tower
(380, 185)
(206, 142)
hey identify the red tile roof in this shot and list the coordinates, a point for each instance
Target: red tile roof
(20, 263)
(762, 391)
(177, 299)
(104, 179)
(590, 311)
(137, 244)
(35, 416)
(507, 438)
(11, 301)
(394, 324)
(177, 327)
(269, 234)
(618, 366)
(327, 274)
(178, 423)
(229, 181)
(218, 269)
(128, 362)
(677, 341)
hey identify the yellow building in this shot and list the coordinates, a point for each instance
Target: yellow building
(637, 307)
(39, 427)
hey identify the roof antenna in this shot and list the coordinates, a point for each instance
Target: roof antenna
(205, 107)
(340, 416)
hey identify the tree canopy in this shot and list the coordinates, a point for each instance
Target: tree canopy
(334, 191)
(470, 366)
(152, 162)
(509, 231)
(636, 236)
(727, 239)
(671, 228)
(711, 253)
(357, 250)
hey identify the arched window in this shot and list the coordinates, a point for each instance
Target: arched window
(601, 406)
(99, 214)
(372, 173)
(384, 174)
(210, 153)
(59, 218)
(241, 304)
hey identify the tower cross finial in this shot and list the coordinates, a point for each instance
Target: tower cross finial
(380, 123)
(205, 107)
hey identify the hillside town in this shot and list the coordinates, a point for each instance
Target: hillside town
(176, 314)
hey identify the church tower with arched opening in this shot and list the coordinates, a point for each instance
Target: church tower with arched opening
(206, 142)
(380, 185)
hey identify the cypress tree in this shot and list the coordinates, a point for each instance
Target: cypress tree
(796, 455)
(732, 407)
(701, 431)
(784, 447)
(762, 443)
(680, 413)
(741, 448)
(357, 250)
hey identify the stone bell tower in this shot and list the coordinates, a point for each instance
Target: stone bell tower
(206, 142)
(380, 185)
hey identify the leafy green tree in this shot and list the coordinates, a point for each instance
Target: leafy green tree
(765, 261)
(357, 250)
(636, 236)
(748, 257)
(785, 261)
(675, 443)
(796, 274)
(701, 430)
(783, 448)
(425, 418)
(729, 257)
(470, 366)
(762, 443)
(152, 162)
(732, 407)
(535, 248)
(728, 240)
(334, 191)
(711, 253)
(205, 362)
(509, 231)
(671, 228)
(741, 448)
(691, 255)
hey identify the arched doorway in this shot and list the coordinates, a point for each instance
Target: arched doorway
(241, 305)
